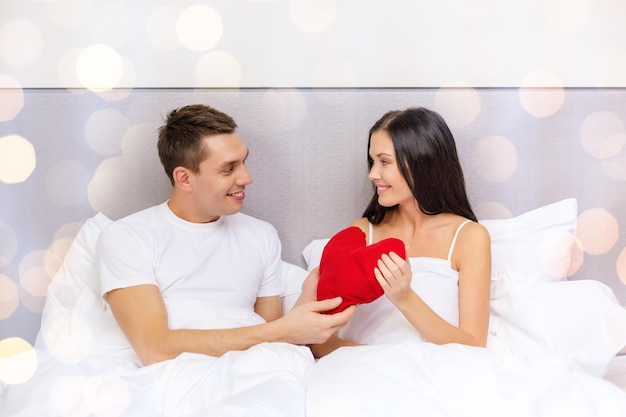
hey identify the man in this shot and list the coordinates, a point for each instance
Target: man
(193, 274)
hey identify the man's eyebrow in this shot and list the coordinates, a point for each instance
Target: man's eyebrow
(235, 162)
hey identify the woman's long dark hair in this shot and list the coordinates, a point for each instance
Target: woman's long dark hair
(427, 159)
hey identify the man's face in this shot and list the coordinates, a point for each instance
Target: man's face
(218, 187)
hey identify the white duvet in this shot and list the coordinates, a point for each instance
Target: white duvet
(413, 379)
(550, 349)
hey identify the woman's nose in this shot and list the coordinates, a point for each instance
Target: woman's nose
(373, 174)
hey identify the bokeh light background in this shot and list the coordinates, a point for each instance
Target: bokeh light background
(534, 91)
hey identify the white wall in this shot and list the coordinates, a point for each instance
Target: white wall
(312, 43)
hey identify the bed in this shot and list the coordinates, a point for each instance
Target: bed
(555, 349)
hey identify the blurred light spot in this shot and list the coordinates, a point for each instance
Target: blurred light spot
(615, 167)
(577, 258)
(9, 299)
(602, 134)
(566, 17)
(333, 73)
(218, 69)
(70, 338)
(108, 183)
(199, 28)
(101, 396)
(11, 99)
(495, 159)
(66, 71)
(34, 279)
(554, 252)
(21, 42)
(621, 266)
(8, 244)
(17, 159)
(465, 10)
(492, 210)
(18, 360)
(541, 94)
(459, 106)
(313, 15)
(99, 67)
(53, 257)
(161, 27)
(124, 86)
(334, 97)
(609, 68)
(597, 231)
(70, 12)
(104, 131)
(117, 94)
(107, 396)
(109, 190)
(66, 182)
(68, 231)
(284, 110)
(66, 396)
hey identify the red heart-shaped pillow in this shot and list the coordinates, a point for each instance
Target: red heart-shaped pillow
(347, 267)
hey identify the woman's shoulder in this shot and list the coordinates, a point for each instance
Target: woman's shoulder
(362, 223)
(472, 232)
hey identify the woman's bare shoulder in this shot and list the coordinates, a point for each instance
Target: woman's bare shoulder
(362, 223)
(474, 233)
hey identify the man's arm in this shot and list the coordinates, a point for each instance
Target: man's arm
(141, 314)
(268, 307)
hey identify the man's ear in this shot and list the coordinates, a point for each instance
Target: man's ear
(182, 178)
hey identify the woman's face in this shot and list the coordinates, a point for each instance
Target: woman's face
(391, 186)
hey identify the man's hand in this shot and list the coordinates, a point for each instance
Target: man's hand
(305, 324)
(309, 288)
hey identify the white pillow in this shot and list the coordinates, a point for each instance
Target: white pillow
(312, 253)
(538, 241)
(75, 316)
(291, 277)
(581, 320)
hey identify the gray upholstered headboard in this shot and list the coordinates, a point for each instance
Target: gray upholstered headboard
(96, 153)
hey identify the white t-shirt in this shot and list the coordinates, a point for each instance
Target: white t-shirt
(210, 274)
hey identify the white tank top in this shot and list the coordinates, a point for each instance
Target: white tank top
(433, 280)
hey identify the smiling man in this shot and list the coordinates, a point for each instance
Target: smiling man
(194, 275)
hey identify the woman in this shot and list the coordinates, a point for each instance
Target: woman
(442, 290)
(423, 352)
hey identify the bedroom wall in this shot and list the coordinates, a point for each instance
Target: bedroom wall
(304, 85)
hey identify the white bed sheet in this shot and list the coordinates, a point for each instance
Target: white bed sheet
(616, 372)
(421, 379)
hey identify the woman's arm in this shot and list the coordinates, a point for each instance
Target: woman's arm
(472, 257)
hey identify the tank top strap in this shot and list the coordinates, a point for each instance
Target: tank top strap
(370, 234)
(456, 234)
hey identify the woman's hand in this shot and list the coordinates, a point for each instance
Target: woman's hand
(394, 276)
